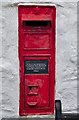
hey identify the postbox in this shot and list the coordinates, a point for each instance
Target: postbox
(36, 58)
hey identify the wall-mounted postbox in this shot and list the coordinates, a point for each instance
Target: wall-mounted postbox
(37, 58)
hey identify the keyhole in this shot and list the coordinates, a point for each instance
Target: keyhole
(30, 87)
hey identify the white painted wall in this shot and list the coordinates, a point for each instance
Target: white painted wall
(66, 56)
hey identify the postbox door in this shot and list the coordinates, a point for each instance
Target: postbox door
(37, 80)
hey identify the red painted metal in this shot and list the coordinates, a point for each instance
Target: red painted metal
(37, 43)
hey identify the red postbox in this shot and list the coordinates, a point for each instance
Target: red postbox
(37, 58)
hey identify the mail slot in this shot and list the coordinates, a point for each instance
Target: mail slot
(36, 49)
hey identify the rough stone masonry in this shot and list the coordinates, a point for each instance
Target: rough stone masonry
(66, 56)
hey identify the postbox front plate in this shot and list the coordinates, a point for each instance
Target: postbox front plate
(37, 58)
